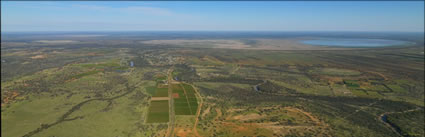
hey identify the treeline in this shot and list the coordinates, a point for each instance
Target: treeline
(140, 62)
(348, 109)
(269, 87)
(233, 79)
(185, 73)
(410, 124)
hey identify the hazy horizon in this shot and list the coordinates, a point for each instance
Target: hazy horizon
(285, 16)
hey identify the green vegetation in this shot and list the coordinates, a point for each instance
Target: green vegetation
(158, 111)
(85, 74)
(336, 72)
(408, 123)
(351, 83)
(151, 90)
(191, 97)
(161, 92)
(186, 102)
(181, 104)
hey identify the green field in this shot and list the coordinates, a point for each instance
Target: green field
(151, 90)
(161, 92)
(190, 94)
(186, 104)
(158, 112)
(157, 91)
(181, 105)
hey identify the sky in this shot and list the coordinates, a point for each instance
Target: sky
(212, 16)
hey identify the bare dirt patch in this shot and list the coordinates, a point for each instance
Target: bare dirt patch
(303, 123)
(213, 59)
(160, 98)
(251, 116)
(235, 110)
(206, 111)
(333, 80)
(317, 121)
(176, 95)
(39, 57)
(218, 110)
(94, 54)
(184, 132)
(244, 129)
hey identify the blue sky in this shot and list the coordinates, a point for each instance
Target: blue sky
(209, 15)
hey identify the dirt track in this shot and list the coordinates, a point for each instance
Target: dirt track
(171, 104)
(198, 112)
(160, 98)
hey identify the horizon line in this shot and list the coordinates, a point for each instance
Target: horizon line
(213, 31)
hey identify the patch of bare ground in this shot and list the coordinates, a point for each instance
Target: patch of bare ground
(184, 132)
(206, 111)
(322, 127)
(235, 110)
(247, 117)
(175, 82)
(9, 97)
(379, 74)
(160, 98)
(57, 52)
(39, 57)
(317, 121)
(94, 54)
(176, 95)
(306, 123)
(332, 80)
(218, 110)
(244, 129)
(212, 59)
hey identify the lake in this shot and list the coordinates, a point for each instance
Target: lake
(354, 42)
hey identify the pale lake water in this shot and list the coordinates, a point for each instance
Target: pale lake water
(354, 42)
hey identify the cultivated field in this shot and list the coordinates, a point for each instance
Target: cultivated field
(184, 99)
(158, 111)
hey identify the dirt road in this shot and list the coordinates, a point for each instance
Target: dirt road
(198, 111)
(170, 131)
